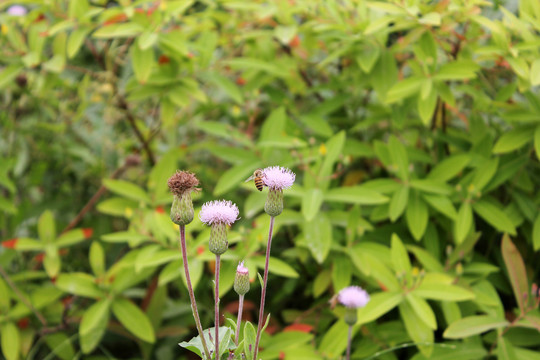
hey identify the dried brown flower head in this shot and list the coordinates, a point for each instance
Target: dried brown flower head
(182, 182)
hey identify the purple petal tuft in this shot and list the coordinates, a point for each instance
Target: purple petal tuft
(353, 297)
(278, 178)
(219, 211)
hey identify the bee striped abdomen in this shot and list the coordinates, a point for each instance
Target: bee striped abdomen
(259, 183)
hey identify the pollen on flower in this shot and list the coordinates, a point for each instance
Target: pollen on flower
(353, 297)
(181, 182)
(219, 211)
(278, 178)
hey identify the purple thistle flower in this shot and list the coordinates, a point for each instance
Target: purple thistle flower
(241, 269)
(219, 211)
(353, 297)
(278, 178)
(17, 10)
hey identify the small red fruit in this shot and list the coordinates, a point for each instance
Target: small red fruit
(88, 232)
(10, 244)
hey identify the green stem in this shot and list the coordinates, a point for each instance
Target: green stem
(190, 290)
(349, 340)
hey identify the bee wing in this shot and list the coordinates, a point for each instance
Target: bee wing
(250, 178)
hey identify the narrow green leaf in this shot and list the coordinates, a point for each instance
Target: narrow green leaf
(75, 40)
(464, 222)
(516, 272)
(46, 227)
(97, 258)
(512, 140)
(334, 342)
(506, 351)
(276, 266)
(127, 189)
(8, 74)
(431, 186)
(426, 107)
(118, 31)
(398, 154)
(80, 284)
(404, 89)
(400, 257)
(417, 215)
(536, 233)
(378, 305)
(227, 86)
(142, 62)
(334, 147)
(419, 332)
(235, 176)
(484, 173)
(318, 236)
(61, 345)
(398, 203)
(249, 340)
(422, 310)
(443, 292)
(11, 341)
(473, 325)
(355, 195)
(442, 204)
(71, 237)
(133, 319)
(95, 315)
(537, 141)
(457, 70)
(494, 216)
(311, 203)
(341, 273)
(449, 167)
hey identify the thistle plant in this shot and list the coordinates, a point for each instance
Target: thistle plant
(219, 215)
(276, 178)
(352, 297)
(182, 184)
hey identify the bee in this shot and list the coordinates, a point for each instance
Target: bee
(257, 179)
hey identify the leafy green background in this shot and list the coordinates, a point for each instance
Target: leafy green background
(413, 128)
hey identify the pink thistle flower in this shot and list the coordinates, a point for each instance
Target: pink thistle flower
(17, 10)
(241, 269)
(353, 297)
(219, 212)
(278, 178)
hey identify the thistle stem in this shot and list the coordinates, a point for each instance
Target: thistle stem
(349, 340)
(263, 291)
(239, 321)
(190, 290)
(216, 310)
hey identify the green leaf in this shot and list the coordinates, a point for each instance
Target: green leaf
(535, 72)
(516, 272)
(276, 266)
(71, 237)
(506, 351)
(536, 233)
(341, 273)
(417, 215)
(334, 342)
(321, 282)
(270, 68)
(426, 107)
(449, 167)
(249, 339)
(117, 207)
(60, 345)
(334, 147)
(457, 70)
(537, 141)
(235, 176)
(8, 74)
(11, 341)
(431, 186)
(398, 154)
(94, 316)
(142, 62)
(367, 57)
(473, 325)
(229, 87)
(484, 173)
(46, 227)
(52, 262)
(147, 40)
(512, 140)
(419, 332)
(355, 195)
(311, 203)
(426, 258)
(80, 284)
(442, 204)
(464, 222)
(318, 236)
(404, 89)
(422, 310)
(443, 292)
(378, 305)
(127, 189)
(97, 258)
(90, 340)
(285, 33)
(75, 40)
(400, 257)
(494, 216)
(118, 31)
(134, 320)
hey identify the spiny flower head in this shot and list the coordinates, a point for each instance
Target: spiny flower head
(278, 178)
(219, 211)
(353, 297)
(182, 182)
(241, 280)
(17, 10)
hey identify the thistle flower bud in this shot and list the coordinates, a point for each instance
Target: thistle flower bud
(241, 280)
(181, 184)
(218, 214)
(276, 178)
